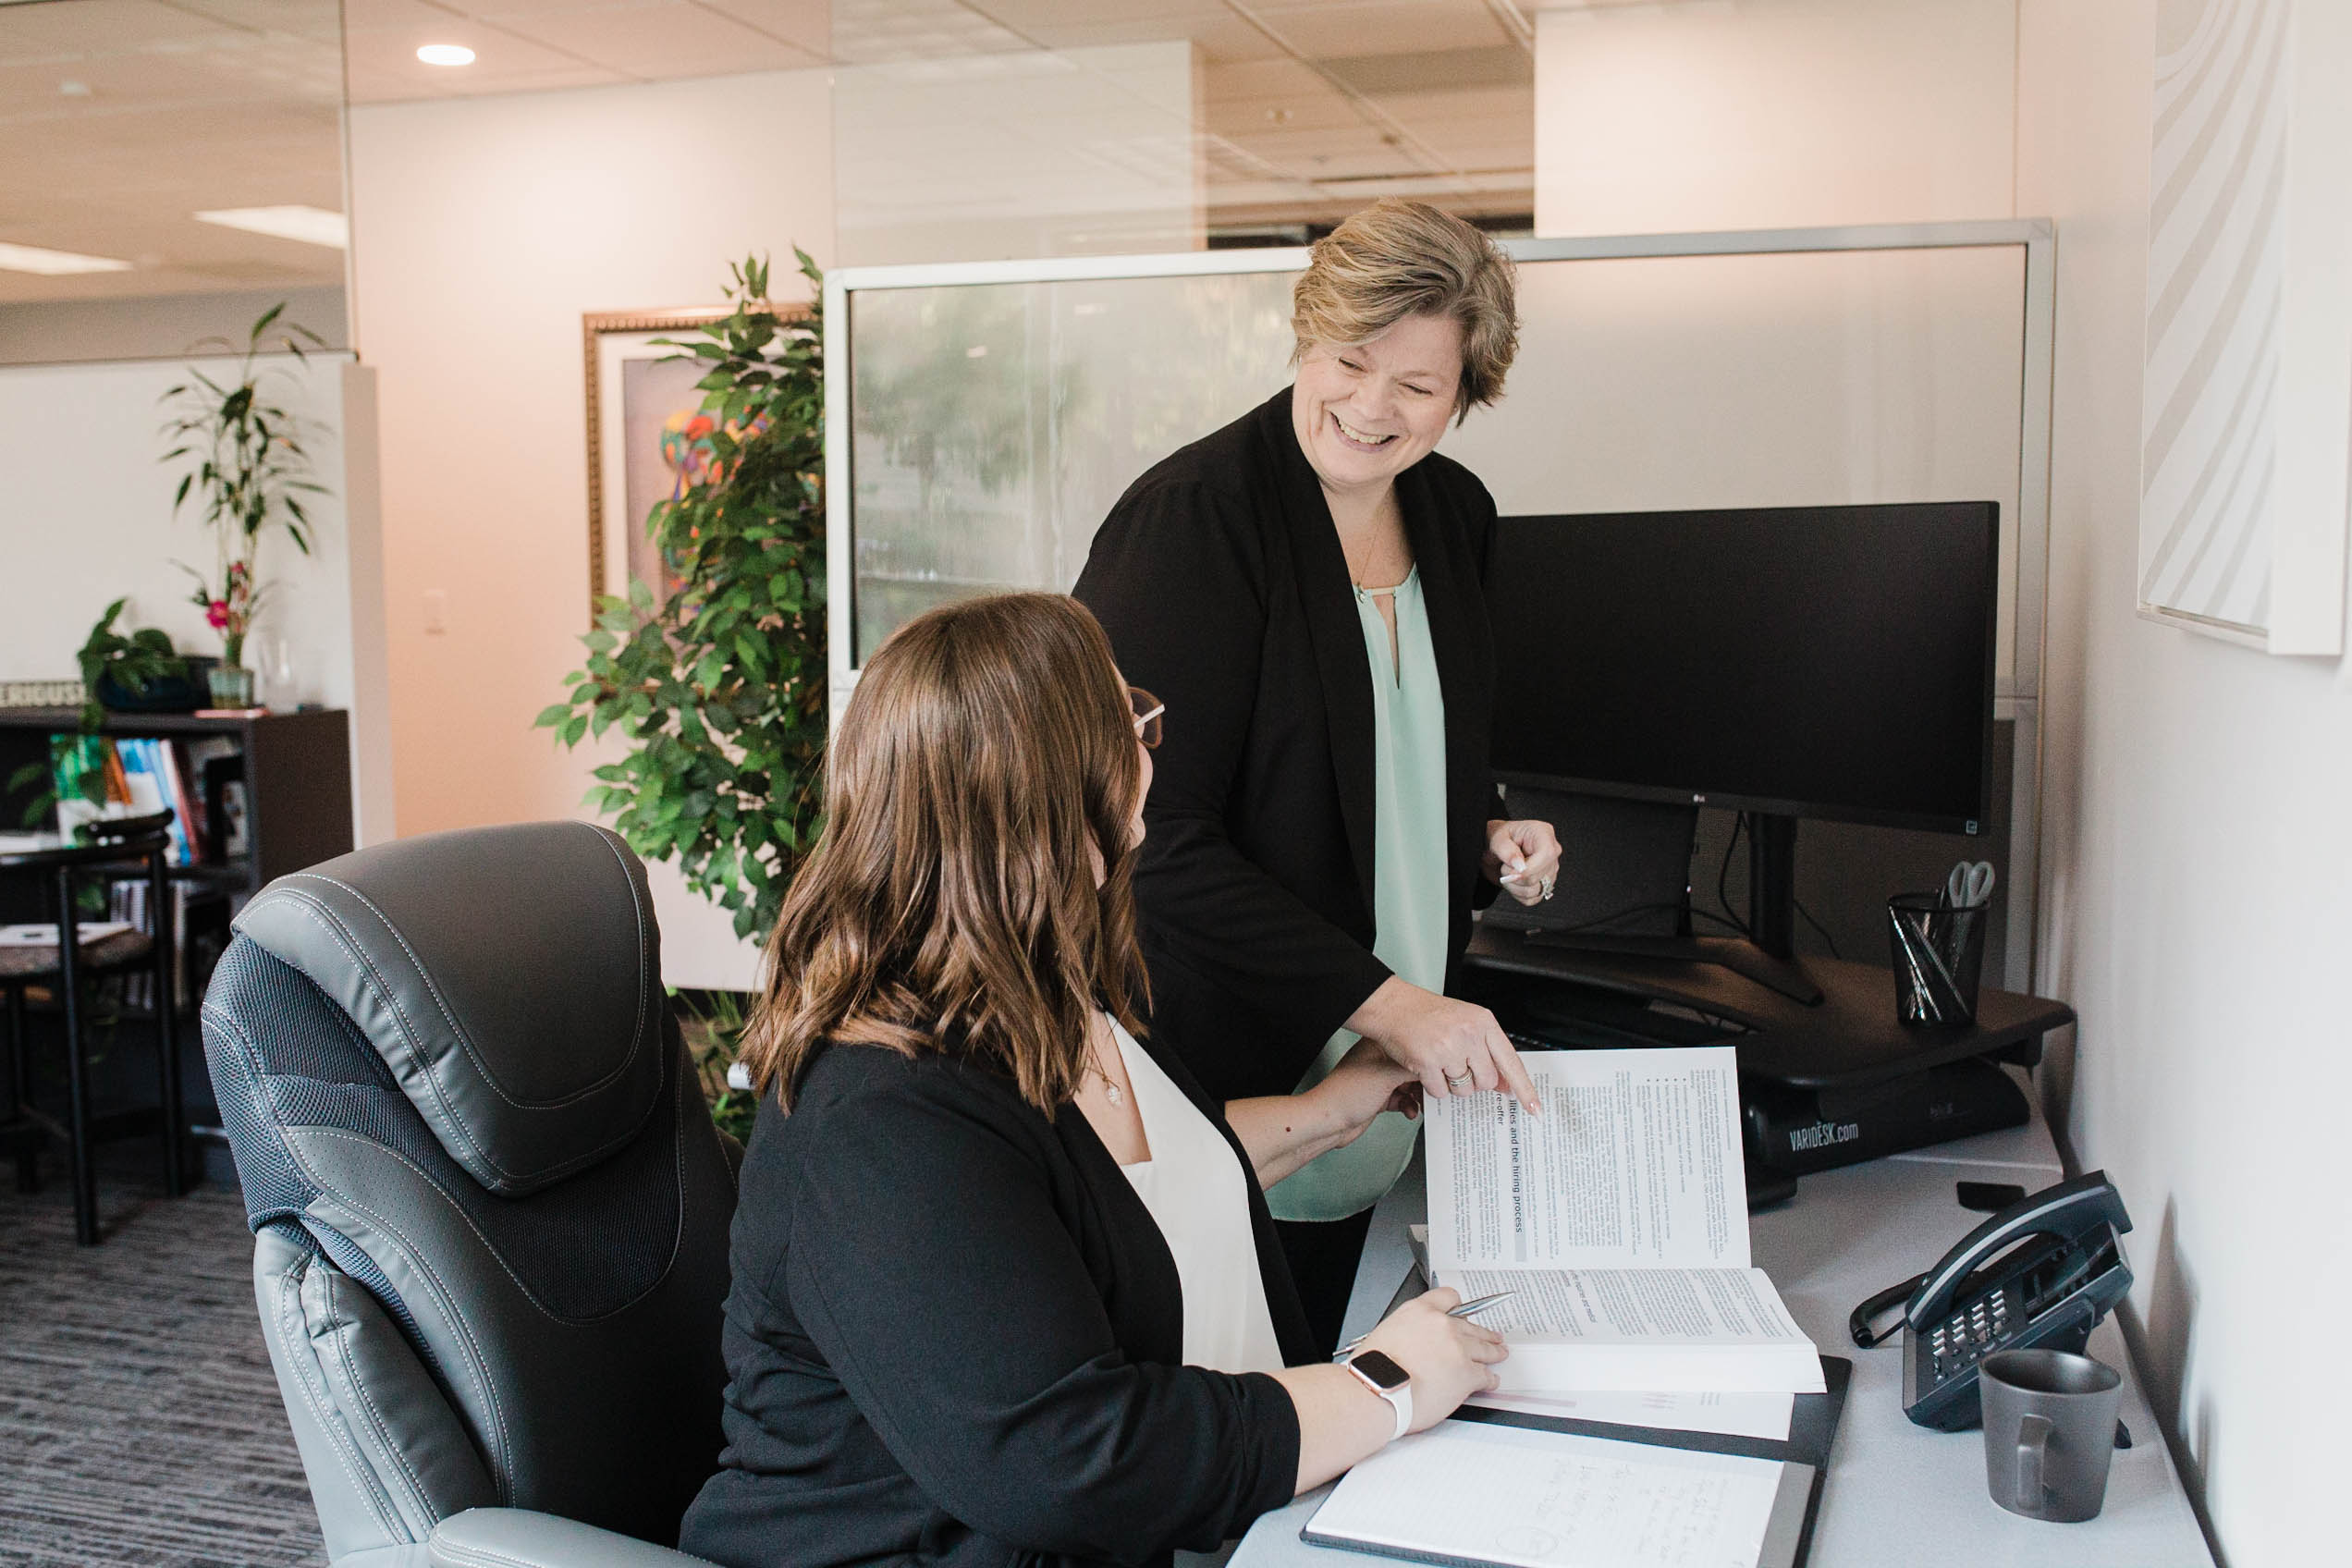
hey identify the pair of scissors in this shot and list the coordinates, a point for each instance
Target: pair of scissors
(1969, 885)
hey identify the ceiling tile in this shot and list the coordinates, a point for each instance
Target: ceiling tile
(1437, 70)
(390, 51)
(1261, 81)
(372, 16)
(658, 38)
(319, 19)
(808, 23)
(873, 32)
(1342, 28)
(1035, 16)
(394, 82)
(82, 27)
(257, 70)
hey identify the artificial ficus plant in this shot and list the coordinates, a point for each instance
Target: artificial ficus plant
(719, 689)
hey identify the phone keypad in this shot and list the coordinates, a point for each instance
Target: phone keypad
(1969, 1335)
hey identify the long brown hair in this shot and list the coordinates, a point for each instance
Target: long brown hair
(951, 903)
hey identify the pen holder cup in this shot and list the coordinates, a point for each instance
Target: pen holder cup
(1938, 953)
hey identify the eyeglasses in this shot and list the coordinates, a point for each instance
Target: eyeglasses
(1149, 709)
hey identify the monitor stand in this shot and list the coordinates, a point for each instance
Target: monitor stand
(1767, 955)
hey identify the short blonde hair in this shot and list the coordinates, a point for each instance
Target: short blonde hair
(1398, 258)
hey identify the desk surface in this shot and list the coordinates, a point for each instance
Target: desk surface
(1895, 1493)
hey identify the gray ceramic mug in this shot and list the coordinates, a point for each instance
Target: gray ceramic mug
(2049, 1431)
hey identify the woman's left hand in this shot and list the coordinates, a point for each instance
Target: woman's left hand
(1523, 858)
(1365, 1082)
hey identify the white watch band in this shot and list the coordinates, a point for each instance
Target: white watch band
(1400, 1399)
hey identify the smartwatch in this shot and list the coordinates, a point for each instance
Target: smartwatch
(1392, 1382)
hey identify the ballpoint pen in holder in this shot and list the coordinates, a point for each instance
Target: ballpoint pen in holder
(1938, 953)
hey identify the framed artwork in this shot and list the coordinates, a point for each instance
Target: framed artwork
(644, 443)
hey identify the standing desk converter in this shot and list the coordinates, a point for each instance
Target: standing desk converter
(1897, 1496)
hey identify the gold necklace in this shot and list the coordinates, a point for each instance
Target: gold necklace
(1111, 1091)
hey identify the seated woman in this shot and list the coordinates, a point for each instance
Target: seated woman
(1005, 1286)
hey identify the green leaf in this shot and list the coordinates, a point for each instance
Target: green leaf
(554, 713)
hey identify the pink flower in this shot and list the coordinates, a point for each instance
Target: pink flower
(216, 614)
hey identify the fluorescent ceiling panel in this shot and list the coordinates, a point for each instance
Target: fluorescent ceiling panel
(54, 264)
(312, 226)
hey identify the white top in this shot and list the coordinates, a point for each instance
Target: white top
(1193, 1184)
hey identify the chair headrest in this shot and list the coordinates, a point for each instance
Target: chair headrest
(511, 978)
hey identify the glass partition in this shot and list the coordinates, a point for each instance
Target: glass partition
(171, 171)
(995, 421)
(993, 425)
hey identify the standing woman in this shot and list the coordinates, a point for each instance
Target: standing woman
(1304, 589)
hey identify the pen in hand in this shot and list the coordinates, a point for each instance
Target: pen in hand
(1467, 1309)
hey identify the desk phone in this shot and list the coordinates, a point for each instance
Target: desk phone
(2038, 1275)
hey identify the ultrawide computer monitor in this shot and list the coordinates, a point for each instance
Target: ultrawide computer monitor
(1832, 662)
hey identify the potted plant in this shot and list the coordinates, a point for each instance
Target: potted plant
(719, 689)
(251, 474)
(135, 672)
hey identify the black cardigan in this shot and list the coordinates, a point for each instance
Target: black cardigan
(955, 1337)
(1220, 580)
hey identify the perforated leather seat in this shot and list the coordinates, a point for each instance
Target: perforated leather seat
(490, 1211)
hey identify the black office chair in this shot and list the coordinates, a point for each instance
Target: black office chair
(110, 847)
(489, 1209)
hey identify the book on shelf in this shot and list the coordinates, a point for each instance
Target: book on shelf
(1618, 1219)
(154, 786)
(87, 777)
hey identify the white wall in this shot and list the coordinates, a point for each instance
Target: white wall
(88, 508)
(1771, 114)
(2195, 845)
(482, 229)
(2198, 908)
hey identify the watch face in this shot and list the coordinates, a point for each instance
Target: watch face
(1385, 1374)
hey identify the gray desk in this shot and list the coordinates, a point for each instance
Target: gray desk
(1896, 1493)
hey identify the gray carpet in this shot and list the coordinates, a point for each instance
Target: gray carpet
(140, 1423)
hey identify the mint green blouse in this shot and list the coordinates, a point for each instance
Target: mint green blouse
(1409, 903)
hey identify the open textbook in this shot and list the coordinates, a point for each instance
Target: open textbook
(1619, 1219)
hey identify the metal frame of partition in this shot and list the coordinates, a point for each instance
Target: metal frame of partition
(2019, 700)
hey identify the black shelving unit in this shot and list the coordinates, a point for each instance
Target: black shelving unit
(297, 781)
(297, 813)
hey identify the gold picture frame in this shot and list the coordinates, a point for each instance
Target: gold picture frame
(610, 342)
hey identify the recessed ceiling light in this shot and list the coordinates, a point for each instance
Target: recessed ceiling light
(56, 264)
(445, 55)
(312, 226)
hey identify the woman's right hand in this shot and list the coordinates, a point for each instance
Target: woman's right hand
(1449, 1358)
(1454, 1047)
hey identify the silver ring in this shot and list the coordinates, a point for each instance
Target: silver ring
(1547, 886)
(1453, 1081)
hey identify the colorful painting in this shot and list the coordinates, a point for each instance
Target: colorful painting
(665, 448)
(648, 439)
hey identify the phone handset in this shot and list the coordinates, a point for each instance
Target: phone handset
(2038, 1275)
(2065, 1210)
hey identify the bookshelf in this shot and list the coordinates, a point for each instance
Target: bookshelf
(298, 782)
(297, 813)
